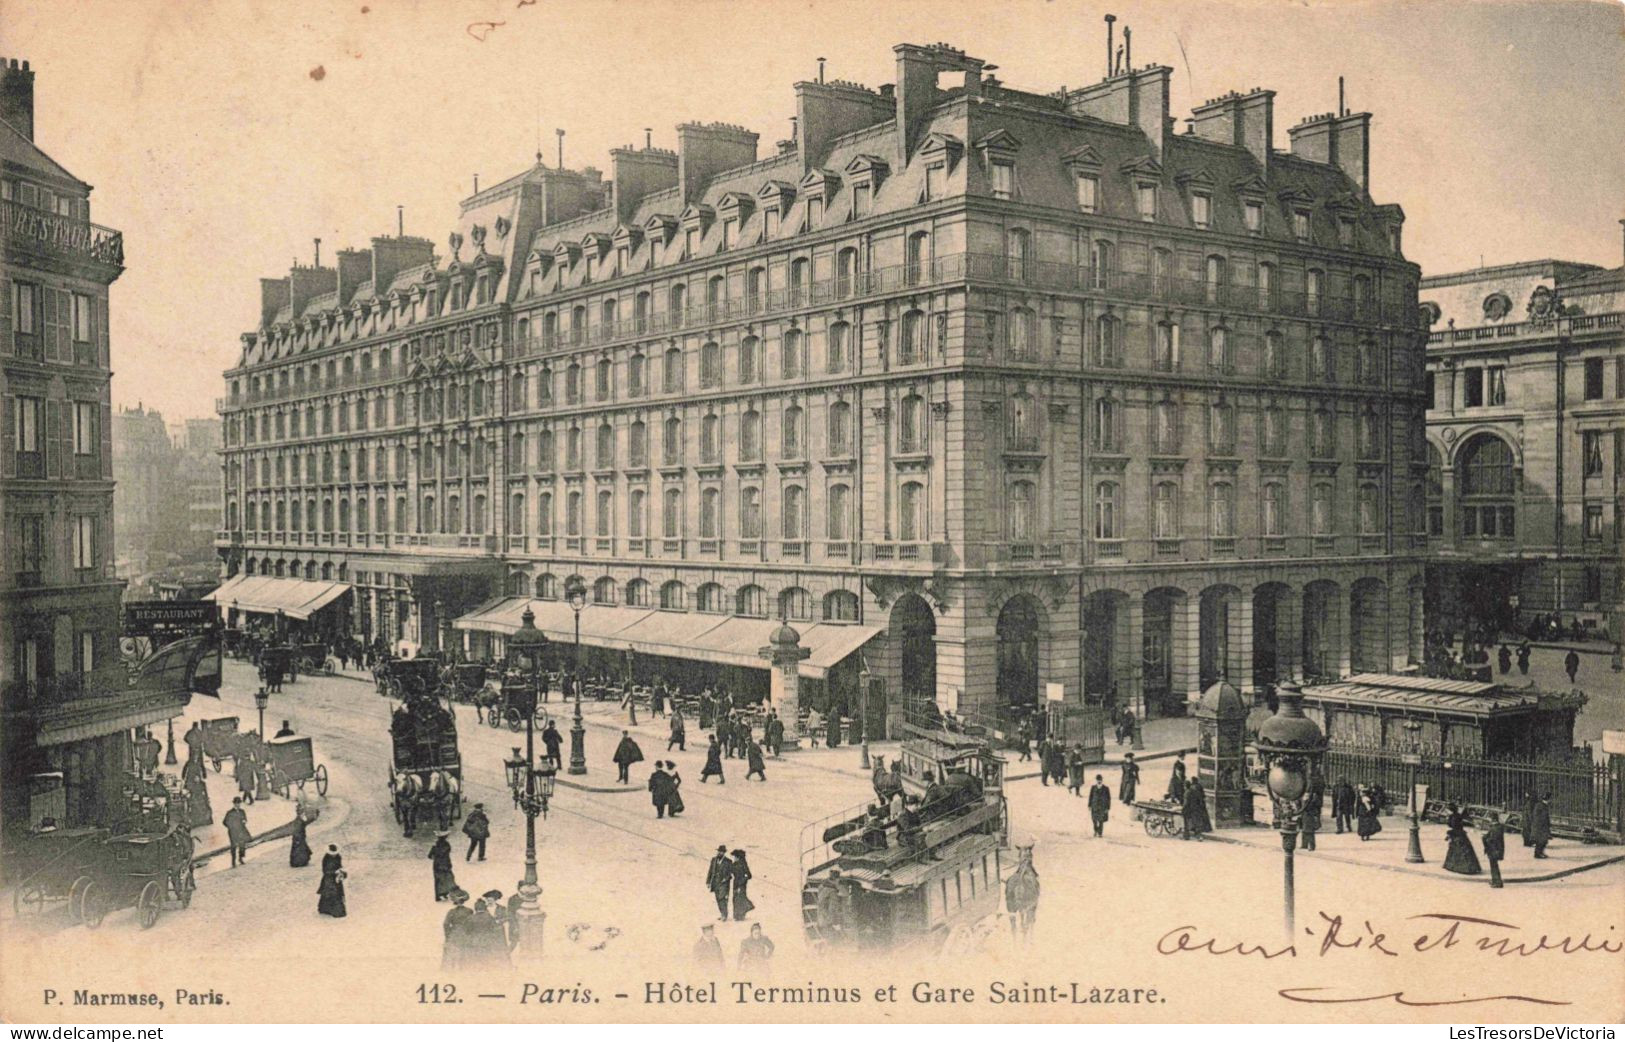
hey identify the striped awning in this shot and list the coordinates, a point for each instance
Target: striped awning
(269, 594)
(730, 640)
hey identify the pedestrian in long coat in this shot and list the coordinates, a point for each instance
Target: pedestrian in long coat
(299, 851)
(773, 733)
(1074, 771)
(1528, 815)
(477, 827)
(331, 891)
(445, 883)
(741, 879)
(198, 807)
(1539, 825)
(455, 930)
(1100, 804)
(1194, 810)
(1043, 760)
(660, 788)
(679, 734)
(1523, 658)
(753, 759)
(1571, 664)
(1459, 856)
(244, 769)
(236, 822)
(1503, 658)
(713, 762)
(1495, 848)
(674, 802)
(552, 740)
(1055, 762)
(1309, 819)
(1344, 805)
(194, 744)
(1129, 782)
(707, 953)
(1176, 781)
(1365, 815)
(755, 951)
(626, 754)
(719, 880)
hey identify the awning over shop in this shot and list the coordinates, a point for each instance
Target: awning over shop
(725, 639)
(268, 594)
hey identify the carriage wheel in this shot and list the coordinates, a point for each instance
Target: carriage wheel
(92, 904)
(321, 779)
(30, 898)
(493, 717)
(515, 718)
(331, 665)
(76, 896)
(150, 904)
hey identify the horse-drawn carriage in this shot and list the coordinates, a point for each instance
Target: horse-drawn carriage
(406, 678)
(220, 739)
(312, 657)
(469, 681)
(54, 865)
(279, 663)
(291, 762)
(143, 870)
(426, 774)
(510, 700)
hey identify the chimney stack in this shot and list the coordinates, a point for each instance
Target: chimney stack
(917, 71)
(1247, 120)
(1109, 48)
(636, 174)
(355, 267)
(705, 150)
(1341, 141)
(1135, 99)
(825, 111)
(17, 96)
(273, 298)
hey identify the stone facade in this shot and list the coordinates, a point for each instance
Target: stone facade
(59, 597)
(1041, 390)
(1526, 442)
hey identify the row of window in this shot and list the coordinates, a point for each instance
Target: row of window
(1167, 519)
(30, 549)
(31, 430)
(56, 325)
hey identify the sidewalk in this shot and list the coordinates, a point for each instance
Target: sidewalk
(1386, 851)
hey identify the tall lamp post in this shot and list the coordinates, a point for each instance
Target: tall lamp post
(575, 592)
(1413, 760)
(532, 785)
(262, 698)
(1292, 747)
(863, 708)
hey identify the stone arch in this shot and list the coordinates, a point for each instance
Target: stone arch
(911, 630)
(1022, 625)
(1107, 664)
(1325, 646)
(1164, 651)
(1274, 647)
(1368, 626)
(1218, 635)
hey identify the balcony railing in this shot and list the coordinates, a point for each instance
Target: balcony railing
(55, 233)
(1508, 330)
(69, 687)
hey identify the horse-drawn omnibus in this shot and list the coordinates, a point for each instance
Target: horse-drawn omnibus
(426, 770)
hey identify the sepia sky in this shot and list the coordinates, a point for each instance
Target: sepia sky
(222, 137)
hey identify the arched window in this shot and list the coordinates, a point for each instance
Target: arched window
(911, 525)
(606, 316)
(637, 594)
(673, 596)
(1370, 509)
(1323, 433)
(1023, 334)
(344, 516)
(636, 375)
(710, 513)
(400, 515)
(1020, 514)
(544, 387)
(1222, 427)
(846, 272)
(1218, 349)
(578, 324)
(640, 312)
(800, 276)
(637, 503)
(677, 303)
(1108, 510)
(1167, 357)
(1321, 521)
(795, 603)
(637, 444)
(841, 606)
(755, 288)
(1486, 480)
(572, 384)
(604, 379)
(1370, 434)
(836, 346)
(750, 357)
(1165, 420)
(910, 334)
(1108, 425)
(671, 441)
(1103, 257)
(840, 429)
(918, 257)
(1165, 510)
(1221, 510)
(547, 587)
(544, 513)
(1366, 358)
(572, 449)
(839, 498)
(572, 514)
(750, 436)
(794, 351)
(603, 591)
(710, 598)
(516, 514)
(911, 424)
(750, 513)
(426, 518)
(454, 514)
(605, 445)
(710, 438)
(791, 442)
(672, 513)
(1274, 509)
(710, 364)
(604, 516)
(1108, 351)
(674, 370)
(751, 602)
(516, 392)
(795, 513)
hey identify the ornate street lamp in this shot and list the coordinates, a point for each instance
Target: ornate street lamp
(575, 592)
(532, 785)
(1292, 747)
(863, 707)
(1413, 760)
(262, 699)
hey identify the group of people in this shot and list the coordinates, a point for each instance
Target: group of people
(728, 878)
(481, 937)
(755, 951)
(1460, 856)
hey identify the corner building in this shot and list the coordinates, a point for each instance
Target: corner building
(1025, 388)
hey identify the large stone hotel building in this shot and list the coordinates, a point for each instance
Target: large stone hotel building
(984, 390)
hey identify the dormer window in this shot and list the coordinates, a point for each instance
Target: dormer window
(1300, 225)
(1002, 179)
(815, 213)
(1201, 210)
(936, 176)
(1252, 213)
(1089, 193)
(860, 200)
(730, 233)
(1345, 232)
(1145, 201)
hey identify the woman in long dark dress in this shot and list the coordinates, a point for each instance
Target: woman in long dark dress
(1365, 815)
(331, 890)
(444, 881)
(742, 903)
(299, 851)
(674, 803)
(1459, 856)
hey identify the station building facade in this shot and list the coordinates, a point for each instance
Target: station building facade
(1029, 386)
